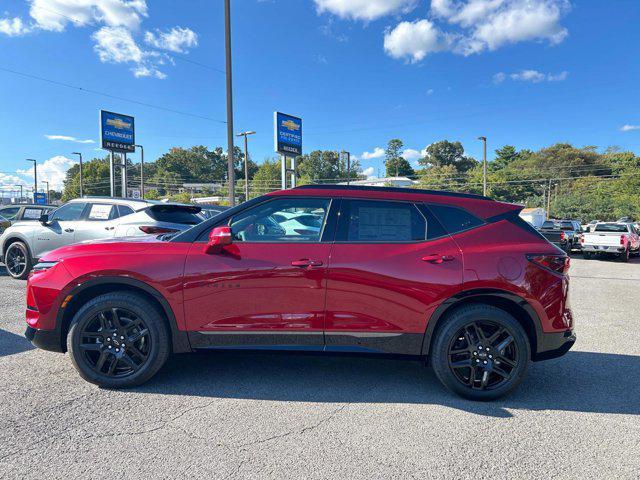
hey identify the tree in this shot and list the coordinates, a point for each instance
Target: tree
(95, 179)
(444, 153)
(266, 178)
(504, 157)
(325, 165)
(395, 163)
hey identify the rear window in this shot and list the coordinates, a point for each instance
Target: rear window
(455, 219)
(566, 226)
(549, 224)
(183, 217)
(611, 227)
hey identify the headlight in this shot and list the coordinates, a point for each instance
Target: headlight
(39, 267)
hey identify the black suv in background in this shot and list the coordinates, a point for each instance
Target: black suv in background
(563, 233)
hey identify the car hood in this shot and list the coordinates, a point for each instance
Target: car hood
(93, 247)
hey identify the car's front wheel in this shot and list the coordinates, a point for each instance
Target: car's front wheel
(118, 340)
(17, 260)
(480, 352)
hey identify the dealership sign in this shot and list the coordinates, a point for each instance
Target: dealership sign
(40, 198)
(117, 132)
(288, 134)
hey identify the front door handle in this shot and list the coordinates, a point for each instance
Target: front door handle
(437, 258)
(109, 228)
(68, 230)
(305, 262)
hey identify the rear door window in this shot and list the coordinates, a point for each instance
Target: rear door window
(102, 212)
(32, 214)
(365, 221)
(455, 219)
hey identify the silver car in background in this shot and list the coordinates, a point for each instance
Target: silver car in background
(90, 218)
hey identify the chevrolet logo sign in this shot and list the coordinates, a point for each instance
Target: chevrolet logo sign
(291, 125)
(119, 123)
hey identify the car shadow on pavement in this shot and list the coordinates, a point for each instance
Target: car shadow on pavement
(10, 343)
(578, 382)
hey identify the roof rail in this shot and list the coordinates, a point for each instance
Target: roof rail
(444, 193)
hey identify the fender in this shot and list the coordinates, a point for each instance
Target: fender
(180, 339)
(464, 296)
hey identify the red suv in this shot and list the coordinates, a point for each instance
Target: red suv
(458, 279)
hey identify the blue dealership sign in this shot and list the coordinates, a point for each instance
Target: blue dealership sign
(288, 134)
(40, 198)
(117, 132)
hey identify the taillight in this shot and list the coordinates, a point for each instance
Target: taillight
(156, 230)
(623, 240)
(562, 236)
(581, 238)
(555, 263)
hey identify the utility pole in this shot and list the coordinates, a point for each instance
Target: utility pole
(484, 166)
(112, 175)
(21, 195)
(348, 155)
(549, 201)
(246, 160)
(141, 170)
(230, 170)
(124, 175)
(46, 194)
(35, 177)
(79, 155)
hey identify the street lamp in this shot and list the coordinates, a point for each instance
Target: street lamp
(484, 166)
(80, 155)
(246, 159)
(230, 163)
(141, 170)
(35, 177)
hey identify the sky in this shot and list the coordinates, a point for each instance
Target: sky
(527, 73)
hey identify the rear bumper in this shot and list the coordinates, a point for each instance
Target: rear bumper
(45, 339)
(553, 345)
(603, 249)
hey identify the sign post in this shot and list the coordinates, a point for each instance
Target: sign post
(288, 143)
(40, 198)
(117, 134)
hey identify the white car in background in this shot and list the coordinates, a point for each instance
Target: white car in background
(299, 223)
(620, 239)
(86, 219)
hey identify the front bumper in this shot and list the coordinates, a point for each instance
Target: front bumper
(45, 339)
(554, 345)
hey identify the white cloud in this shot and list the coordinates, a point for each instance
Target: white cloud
(364, 9)
(377, 153)
(410, 154)
(52, 170)
(629, 128)
(369, 172)
(178, 39)
(477, 25)
(9, 182)
(67, 138)
(430, 91)
(412, 40)
(55, 15)
(533, 76)
(13, 27)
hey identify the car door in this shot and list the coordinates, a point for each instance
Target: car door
(391, 265)
(268, 287)
(59, 231)
(97, 222)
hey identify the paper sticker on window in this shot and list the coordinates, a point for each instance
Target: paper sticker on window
(100, 212)
(31, 213)
(384, 223)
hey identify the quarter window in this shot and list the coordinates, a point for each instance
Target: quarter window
(292, 220)
(455, 219)
(69, 212)
(377, 221)
(124, 210)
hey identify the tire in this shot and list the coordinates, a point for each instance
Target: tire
(21, 266)
(624, 257)
(94, 338)
(454, 334)
(586, 255)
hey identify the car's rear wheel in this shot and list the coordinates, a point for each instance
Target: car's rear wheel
(118, 340)
(624, 256)
(480, 352)
(586, 255)
(17, 260)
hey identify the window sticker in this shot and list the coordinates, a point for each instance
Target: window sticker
(100, 212)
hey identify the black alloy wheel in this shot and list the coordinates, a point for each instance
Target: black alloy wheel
(118, 340)
(480, 352)
(115, 342)
(17, 260)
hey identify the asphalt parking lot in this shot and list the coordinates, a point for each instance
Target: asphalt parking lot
(294, 416)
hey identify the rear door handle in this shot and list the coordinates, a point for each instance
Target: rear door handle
(305, 262)
(109, 228)
(437, 258)
(68, 230)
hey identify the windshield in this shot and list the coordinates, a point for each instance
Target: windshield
(611, 227)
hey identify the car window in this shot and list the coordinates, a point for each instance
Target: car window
(456, 219)
(380, 221)
(272, 221)
(68, 212)
(102, 212)
(10, 213)
(566, 226)
(611, 227)
(32, 213)
(123, 210)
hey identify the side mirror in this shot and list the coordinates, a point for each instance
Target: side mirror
(218, 238)
(44, 219)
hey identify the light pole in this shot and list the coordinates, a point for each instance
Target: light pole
(141, 170)
(46, 195)
(79, 155)
(230, 170)
(484, 166)
(348, 155)
(35, 178)
(246, 160)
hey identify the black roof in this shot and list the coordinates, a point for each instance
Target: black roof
(443, 193)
